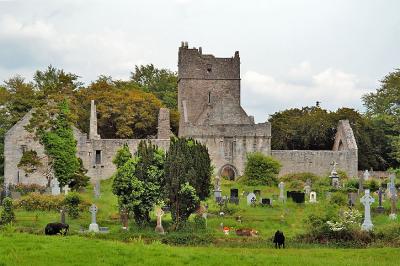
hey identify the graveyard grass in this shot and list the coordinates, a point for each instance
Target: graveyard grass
(27, 249)
(24, 242)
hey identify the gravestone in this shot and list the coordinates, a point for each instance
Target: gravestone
(281, 191)
(366, 175)
(124, 219)
(93, 227)
(307, 189)
(313, 197)
(104, 230)
(217, 189)
(266, 202)
(380, 208)
(234, 198)
(367, 200)
(298, 197)
(62, 215)
(393, 197)
(328, 195)
(334, 176)
(97, 192)
(159, 228)
(251, 198)
(55, 187)
(352, 198)
(66, 190)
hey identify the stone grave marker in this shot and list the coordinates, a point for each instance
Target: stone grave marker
(55, 187)
(266, 202)
(93, 227)
(366, 175)
(393, 197)
(367, 200)
(251, 198)
(66, 190)
(281, 191)
(380, 208)
(352, 196)
(313, 197)
(62, 215)
(334, 176)
(97, 192)
(159, 228)
(234, 198)
(307, 189)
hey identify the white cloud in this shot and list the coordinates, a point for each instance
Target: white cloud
(264, 94)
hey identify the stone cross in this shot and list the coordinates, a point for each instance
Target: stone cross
(281, 191)
(313, 197)
(380, 208)
(159, 228)
(62, 214)
(366, 175)
(93, 227)
(251, 198)
(367, 200)
(66, 190)
(393, 197)
(97, 189)
(124, 219)
(307, 189)
(334, 175)
(217, 189)
(55, 187)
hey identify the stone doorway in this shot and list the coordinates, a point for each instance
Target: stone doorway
(228, 171)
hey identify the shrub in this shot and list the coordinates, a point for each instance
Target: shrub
(72, 202)
(30, 161)
(338, 198)
(199, 222)
(351, 185)
(372, 185)
(27, 188)
(39, 202)
(7, 214)
(300, 176)
(261, 169)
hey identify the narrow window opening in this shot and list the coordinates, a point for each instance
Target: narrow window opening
(23, 148)
(209, 97)
(98, 156)
(209, 68)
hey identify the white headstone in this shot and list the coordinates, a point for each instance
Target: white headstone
(66, 190)
(159, 228)
(93, 227)
(55, 187)
(281, 191)
(367, 200)
(313, 197)
(366, 175)
(251, 198)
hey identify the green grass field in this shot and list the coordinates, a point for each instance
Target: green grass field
(25, 249)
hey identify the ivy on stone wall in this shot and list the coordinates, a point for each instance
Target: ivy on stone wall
(30, 161)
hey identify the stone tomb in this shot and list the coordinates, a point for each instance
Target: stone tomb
(313, 197)
(251, 198)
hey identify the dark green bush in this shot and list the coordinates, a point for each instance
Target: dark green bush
(261, 169)
(40, 202)
(7, 214)
(199, 222)
(300, 176)
(351, 185)
(72, 202)
(372, 185)
(338, 198)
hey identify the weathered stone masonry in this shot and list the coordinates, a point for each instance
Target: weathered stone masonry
(210, 111)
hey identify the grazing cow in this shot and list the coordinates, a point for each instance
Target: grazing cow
(56, 228)
(279, 239)
(247, 232)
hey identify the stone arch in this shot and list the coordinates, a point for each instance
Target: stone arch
(228, 171)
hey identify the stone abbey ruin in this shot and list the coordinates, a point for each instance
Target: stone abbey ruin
(210, 111)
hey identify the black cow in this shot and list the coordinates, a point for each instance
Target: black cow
(279, 239)
(56, 228)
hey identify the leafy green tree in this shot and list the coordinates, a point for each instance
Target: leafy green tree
(186, 171)
(60, 145)
(261, 169)
(138, 182)
(79, 179)
(383, 107)
(7, 214)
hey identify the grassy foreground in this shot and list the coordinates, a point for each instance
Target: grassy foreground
(25, 249)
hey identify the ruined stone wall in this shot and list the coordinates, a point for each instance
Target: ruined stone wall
(164, 126)
(107, 148)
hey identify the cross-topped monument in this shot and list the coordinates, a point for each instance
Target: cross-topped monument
(367, 200)
(93, 227)
(281, 191)
(393, 197)
(334, 175)
(159, 228)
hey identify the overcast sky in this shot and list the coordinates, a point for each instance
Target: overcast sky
(293, 53)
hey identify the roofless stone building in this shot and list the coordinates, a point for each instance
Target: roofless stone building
(210, 111)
